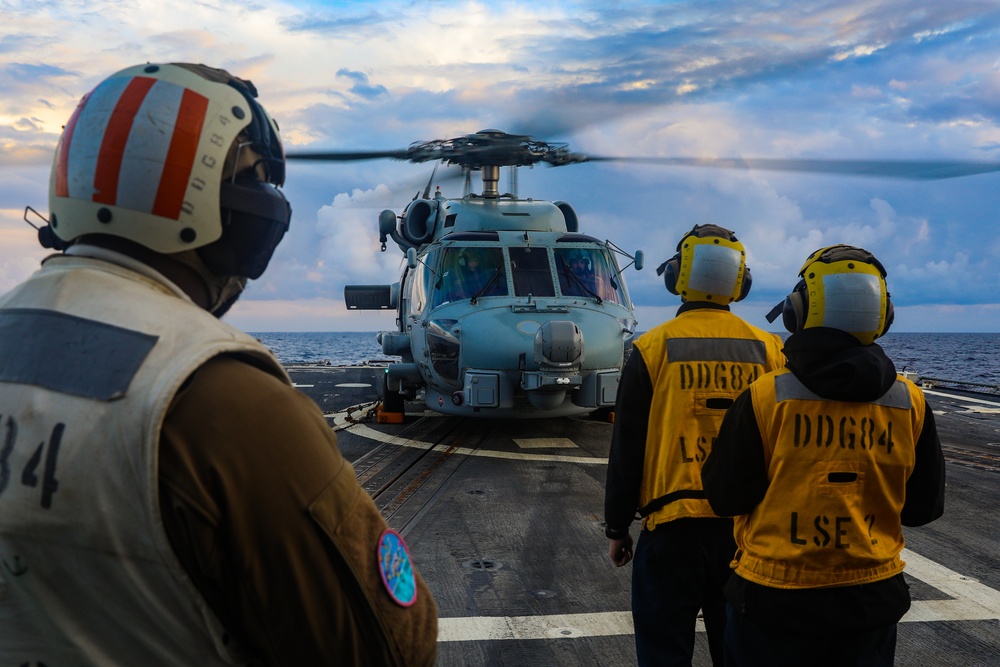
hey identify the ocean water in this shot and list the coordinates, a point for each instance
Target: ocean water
(341, 348)
(968, 357)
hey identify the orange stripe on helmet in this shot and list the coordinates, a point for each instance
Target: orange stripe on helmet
(181, 155)
(62, 161)
(109, 159)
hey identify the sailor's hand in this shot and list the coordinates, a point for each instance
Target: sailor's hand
(620, 551)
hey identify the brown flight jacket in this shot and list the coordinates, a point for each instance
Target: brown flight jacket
(270, 523)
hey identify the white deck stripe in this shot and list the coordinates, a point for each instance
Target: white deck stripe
(962, 398)
(565, 626)
(545, 443)
(972, 601)
(370, 433)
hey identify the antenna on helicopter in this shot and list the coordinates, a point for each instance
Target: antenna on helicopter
(427, 190)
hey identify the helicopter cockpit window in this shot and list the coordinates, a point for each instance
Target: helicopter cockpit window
(421, 285)
(531, 271)
(587, 272)
(471, 272)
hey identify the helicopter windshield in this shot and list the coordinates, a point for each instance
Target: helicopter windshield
(587, 272)
(468, 272)
(532, 272)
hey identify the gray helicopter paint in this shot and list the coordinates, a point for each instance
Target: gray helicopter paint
(497, 363)
(497, 366)
(476, 214)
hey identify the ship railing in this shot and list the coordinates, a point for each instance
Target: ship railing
(978, 387)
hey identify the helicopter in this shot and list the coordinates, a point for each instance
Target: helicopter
(504, 307)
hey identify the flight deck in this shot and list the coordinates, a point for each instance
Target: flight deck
(504, 519)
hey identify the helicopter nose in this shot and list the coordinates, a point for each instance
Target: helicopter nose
(559, 344)
(559, 355)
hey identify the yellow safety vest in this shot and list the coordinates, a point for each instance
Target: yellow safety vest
(837, 476)
(698, 362)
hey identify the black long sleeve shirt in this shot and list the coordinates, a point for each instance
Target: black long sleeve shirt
(625, 464)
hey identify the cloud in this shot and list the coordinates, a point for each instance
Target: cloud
(21, 256)
(21, 73)
(722, 79)
(326, 21)
(361, 87)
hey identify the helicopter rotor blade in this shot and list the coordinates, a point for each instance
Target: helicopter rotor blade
(345, 156)
(495, 148)
(927, 170)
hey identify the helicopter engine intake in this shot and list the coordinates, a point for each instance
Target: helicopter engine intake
(418, 225)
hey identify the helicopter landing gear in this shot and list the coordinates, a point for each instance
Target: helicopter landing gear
(391, 409)
(604, 414)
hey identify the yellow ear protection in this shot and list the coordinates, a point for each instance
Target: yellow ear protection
(842, 287)
(710, 265)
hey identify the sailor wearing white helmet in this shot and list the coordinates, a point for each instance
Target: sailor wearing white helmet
(166, 496)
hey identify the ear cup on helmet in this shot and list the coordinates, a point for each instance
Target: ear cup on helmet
(48, 239)
(890, 314)
(670, 269)
(793, 312)
(747, 282)
(255, 217)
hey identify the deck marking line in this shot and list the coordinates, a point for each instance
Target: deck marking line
(370, 433)
(302, 385)
(545, 443)
(972, 601)
(560, 626)
(962, 398)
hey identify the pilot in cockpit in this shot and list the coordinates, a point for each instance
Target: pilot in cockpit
(476, 274)
(582, 266)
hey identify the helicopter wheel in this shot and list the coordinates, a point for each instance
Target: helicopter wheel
(603, 414)
(391, 410)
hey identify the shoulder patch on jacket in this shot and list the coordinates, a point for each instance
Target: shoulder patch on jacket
(396, 567)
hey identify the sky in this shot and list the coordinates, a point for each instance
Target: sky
(843, 79)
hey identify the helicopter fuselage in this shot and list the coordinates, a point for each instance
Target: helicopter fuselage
(507, 312)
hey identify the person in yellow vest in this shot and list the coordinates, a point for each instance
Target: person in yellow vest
(679, 379)
(822, 463)
(166, 497)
